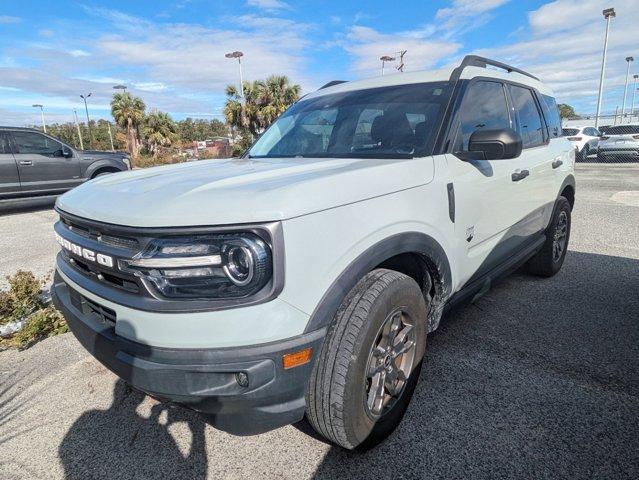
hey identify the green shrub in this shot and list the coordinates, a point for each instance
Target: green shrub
(44, 323)
(22, 298)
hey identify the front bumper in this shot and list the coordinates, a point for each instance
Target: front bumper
(205, 380)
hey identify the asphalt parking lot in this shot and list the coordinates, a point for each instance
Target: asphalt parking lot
(537, 379)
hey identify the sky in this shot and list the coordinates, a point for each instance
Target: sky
(171, 52)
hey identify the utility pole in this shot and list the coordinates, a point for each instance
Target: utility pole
(385, 59)
(400, 67)
(608, 13)
(44, 125)
(625, 88)
(634, 90)
(238, 55)
(86, 109)
(111, 137)
(77, 125)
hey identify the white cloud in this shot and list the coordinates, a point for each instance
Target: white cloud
(7, 19)
(268, 4)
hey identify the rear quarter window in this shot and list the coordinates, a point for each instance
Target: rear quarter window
(551, 113)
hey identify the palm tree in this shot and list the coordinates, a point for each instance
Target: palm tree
(263, 102)
(128, 112)
(159, 130)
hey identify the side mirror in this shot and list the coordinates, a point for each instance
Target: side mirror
(498, 144)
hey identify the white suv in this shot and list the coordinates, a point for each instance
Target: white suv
(303, 279)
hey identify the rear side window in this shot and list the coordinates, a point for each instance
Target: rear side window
(36, 143)
(529, 122)
(551, 113)
(4, 144)
(484, 107)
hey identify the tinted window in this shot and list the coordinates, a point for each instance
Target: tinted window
(528, 118)
(4, 144)
(388, 122)
(622, 130)
(484, 107)
(569, 132)
(551, 112)
(36, 143)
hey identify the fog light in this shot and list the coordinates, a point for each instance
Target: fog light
(242, 379)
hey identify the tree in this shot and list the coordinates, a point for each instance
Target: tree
(128, 112)
(566, 111)
(263, 102)
(159, 131)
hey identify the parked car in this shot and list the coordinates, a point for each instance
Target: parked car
(34, 164)
(584, 139)
(621, 142)
(302, 279)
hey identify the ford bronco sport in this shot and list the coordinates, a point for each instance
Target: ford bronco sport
(35, 165)
(302, 279)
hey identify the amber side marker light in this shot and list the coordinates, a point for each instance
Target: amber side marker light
(292, 360)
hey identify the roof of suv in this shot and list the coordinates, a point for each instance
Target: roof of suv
(469, 69)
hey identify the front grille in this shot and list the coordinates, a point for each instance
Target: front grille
(89, 307)
(98, 235)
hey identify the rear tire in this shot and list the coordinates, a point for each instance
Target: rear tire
(356, 396)
(548, 261)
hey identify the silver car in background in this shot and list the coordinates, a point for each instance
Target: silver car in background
(619, 143)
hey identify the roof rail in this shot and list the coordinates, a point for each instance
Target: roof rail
(331, 83)
(477, 61)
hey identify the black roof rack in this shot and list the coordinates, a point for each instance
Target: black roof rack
(477, 61)
(331, 83)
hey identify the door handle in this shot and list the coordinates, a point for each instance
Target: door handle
(26, 162)
(557, 163)
(519, 175)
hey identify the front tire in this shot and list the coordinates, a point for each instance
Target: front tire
(370, 361)
(548, 261)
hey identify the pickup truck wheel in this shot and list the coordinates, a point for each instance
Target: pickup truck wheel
(370, 361)
(550, 258)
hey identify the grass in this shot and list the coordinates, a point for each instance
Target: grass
(23, 300)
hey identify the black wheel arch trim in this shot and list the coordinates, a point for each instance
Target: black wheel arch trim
(408, 242)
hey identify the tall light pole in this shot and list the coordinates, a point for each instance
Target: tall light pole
(44, 125)
(120, 87)
(634, 90)
(625, 88)
(608, 13)
(86, 109)
(385, 59)
(238, 55)
(77, 125)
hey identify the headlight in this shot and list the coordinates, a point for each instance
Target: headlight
(223, 266)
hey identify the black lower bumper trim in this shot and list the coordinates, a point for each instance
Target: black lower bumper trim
(205, 380)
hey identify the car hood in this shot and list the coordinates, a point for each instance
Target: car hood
(222, 192)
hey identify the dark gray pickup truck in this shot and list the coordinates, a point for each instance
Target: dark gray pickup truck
(35, 165)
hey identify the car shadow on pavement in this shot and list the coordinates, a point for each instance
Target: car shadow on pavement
(538, 379)
(121, 443)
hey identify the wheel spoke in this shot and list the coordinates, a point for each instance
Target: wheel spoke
(375, 400)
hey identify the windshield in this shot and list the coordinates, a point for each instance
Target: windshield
(398, 121)
(567, 132)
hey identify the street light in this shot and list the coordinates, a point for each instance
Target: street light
(120, 87)
(625, 88)
(238, 55)
(634, 90)
(385, 59)
(608, 13)
(86, 109)
(44, 125)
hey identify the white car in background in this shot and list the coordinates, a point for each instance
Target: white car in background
(584, 139)
(620, 142)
